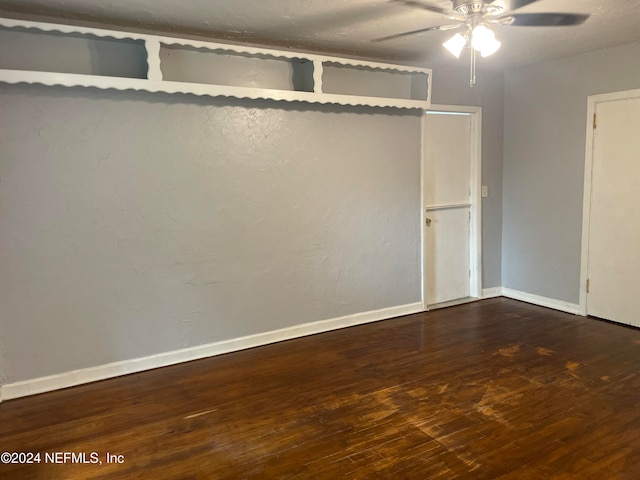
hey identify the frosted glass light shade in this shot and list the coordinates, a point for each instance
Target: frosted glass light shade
(455, 44)
(484, 41)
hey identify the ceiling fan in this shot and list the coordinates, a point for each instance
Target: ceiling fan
(474, 17)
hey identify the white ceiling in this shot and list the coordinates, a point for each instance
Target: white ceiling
(347, 26)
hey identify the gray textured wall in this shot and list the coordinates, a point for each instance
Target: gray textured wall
(133, 224)
(451, 86)
(54, 52)
(544, 152)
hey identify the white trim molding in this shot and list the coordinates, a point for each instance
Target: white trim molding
(541, 301)
(154, 81)
(491, 292)
(110, 370)
(531, 298)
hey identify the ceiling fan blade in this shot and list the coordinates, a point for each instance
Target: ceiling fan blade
(424, 6)
(413, 32)
(511, 5)
(543, 19)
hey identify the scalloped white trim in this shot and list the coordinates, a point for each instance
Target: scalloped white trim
(154, 83)
(117, 83)
(167, 40)
(154, 72)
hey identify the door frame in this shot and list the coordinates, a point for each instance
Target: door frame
(475, 199)
(592, 108)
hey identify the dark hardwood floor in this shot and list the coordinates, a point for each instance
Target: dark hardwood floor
(496, 389)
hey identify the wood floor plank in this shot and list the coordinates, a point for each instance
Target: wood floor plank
(496, 389)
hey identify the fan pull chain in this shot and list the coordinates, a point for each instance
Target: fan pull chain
(472, 80)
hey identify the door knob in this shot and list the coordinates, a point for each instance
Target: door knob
(428, 222)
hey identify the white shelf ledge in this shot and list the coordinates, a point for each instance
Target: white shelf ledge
(387, 85)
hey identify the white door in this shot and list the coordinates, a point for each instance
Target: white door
(614, 221)
(448, 191)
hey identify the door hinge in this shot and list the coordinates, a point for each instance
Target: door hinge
(588, 284)
(595, 121)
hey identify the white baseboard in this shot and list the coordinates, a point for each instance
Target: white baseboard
(531, 298)
(541, 301)
(116, 369)
(492, 292)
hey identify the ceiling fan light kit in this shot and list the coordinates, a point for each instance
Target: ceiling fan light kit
(475, 16)
(483, 40)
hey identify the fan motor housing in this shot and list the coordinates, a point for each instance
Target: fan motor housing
(468, 7)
